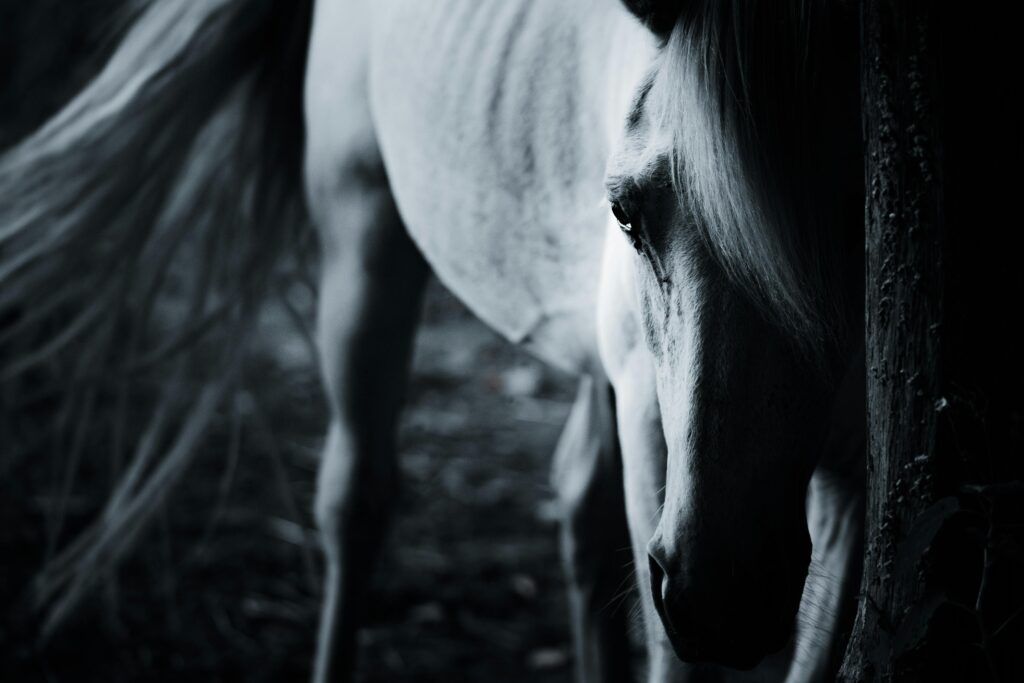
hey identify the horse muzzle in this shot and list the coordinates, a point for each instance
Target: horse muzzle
(726, 619)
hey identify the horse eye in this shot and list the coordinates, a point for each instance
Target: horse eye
(622, 217)
(626, 224)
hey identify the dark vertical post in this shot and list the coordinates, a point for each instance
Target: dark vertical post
(904, 225)
(944, 572)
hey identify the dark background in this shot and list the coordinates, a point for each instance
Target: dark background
(226, 587)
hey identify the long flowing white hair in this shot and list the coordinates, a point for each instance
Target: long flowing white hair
(172, 179)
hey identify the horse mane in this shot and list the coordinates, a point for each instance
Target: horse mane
(756, 95)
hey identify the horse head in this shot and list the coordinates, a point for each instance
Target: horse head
(737, 184)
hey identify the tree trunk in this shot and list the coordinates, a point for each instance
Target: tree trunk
(943, 584)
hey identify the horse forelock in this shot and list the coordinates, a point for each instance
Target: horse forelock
(737, 86)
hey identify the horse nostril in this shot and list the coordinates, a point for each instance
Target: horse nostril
(659, 586)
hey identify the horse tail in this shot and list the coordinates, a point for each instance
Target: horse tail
(147, 219)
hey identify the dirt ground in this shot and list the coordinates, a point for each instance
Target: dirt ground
(227, 588)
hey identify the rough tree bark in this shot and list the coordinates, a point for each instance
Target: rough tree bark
(943, 585)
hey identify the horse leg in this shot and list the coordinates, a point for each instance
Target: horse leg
(587, 476)
(835, 520)
(371, 288)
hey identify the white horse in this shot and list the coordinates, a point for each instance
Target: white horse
(661, 198)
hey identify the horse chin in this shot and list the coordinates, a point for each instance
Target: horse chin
(696, 653)
(733, 655)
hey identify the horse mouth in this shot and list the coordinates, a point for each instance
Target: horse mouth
(696, 651)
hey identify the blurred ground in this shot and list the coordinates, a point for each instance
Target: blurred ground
(469, 587)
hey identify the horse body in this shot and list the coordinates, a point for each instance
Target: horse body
(495, 120)
(490, 123)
